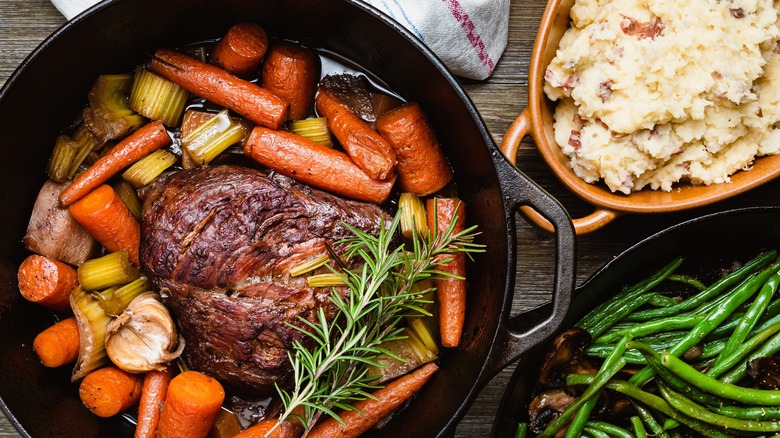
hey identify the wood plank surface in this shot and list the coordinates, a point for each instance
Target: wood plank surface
(25, 23)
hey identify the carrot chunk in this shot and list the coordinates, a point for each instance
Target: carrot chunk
(260, 430)
(155, 387)
(110, 391)
(370, 411)
(451, 292)
(290, 72)
(137, 145)
(422, 168)
(58, 345)
(216, 85)
(46, 281)
(106, 218)
(366, 147)
(241, 49)
(191, 406)
(314, 164)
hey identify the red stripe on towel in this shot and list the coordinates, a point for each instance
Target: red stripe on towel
(476, 41)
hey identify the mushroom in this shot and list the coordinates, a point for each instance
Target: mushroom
(765, 371)
(143, 337)
(547, 406)
(567, 351)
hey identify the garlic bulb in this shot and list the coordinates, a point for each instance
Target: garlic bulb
(143, 337)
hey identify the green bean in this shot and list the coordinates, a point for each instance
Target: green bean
(617, 313)
(714, 290)
(587, 322)
(660, 405)
(649, 420)
(580, 420)
(727, 327)
(650, 400)
(639, 427)
(595, 433)
(751, 317)
(751, 413)
(684, 321)
(688, 280)
(769, 348)
(743, 350)
(686, 406)
(609, 368)
(728, 391)
(522, 430)
(735, 298)
(670, 424)
(660, 300)
(609, 429)
(654, 359)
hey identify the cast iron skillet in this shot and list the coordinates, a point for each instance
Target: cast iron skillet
(705, 242)
(48, 91)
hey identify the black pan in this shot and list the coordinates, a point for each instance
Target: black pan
(706, 242)
(49, 89)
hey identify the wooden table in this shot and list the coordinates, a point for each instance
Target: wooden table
(24, 24)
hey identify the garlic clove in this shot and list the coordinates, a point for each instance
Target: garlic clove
(143, 337)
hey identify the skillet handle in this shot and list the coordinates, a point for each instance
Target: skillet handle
(517, 190)
(521, 127)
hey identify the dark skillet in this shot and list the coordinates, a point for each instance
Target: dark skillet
(49, 89)
(708, 243)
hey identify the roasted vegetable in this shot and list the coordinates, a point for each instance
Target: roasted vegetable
(108, 115)
(143, 337)
(92, 321)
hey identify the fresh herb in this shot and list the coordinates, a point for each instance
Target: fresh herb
(334, 373)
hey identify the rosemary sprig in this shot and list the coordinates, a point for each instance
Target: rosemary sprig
(333, 373)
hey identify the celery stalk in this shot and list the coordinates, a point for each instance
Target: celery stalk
(62, 156)
(108, 116)
(157, 98)
(129, 196)
(211, 138)
(115, 300)
(315, 130)
(413, 217)
(87, 143)
(110, 270)
(145, 170)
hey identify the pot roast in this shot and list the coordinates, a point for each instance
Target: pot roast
(219, 243)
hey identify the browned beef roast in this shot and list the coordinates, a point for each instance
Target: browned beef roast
(219, 243)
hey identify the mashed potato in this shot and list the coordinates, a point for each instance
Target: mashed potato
(653, 92)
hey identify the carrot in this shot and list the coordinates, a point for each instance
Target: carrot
(137, 145)
(110, 391)
(155, 387)
(364, 145)
(450, 292)
(290, 72)
(260, 430)
(216, 85)
(241, 49)
(191, 405)
(422, 168)
(315, 165)
(58, 345)
(370, 411)
(46, 281)
(103, 214)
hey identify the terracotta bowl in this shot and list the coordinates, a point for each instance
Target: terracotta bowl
(537, 121)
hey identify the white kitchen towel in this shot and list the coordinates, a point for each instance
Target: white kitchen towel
(468, 35)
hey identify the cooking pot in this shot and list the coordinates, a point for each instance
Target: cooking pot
(49, 90)
(705, 242)
(537, 121)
